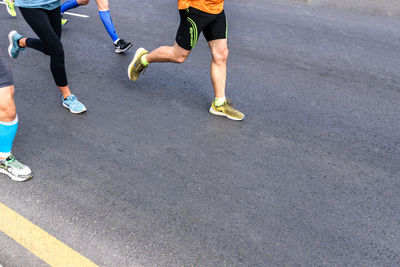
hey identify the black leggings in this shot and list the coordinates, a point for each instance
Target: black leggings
(47, 26)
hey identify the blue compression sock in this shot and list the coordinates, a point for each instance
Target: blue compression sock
(70, 4)
(8, 130)
(108, 24)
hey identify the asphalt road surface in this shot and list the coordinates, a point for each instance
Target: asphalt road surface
(147, 177)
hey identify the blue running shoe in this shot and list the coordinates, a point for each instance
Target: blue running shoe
(73, 105)
(13, 48)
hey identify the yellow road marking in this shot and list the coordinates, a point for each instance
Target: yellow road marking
(37, 241)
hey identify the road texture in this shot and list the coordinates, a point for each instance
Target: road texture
(382, 7)
(147, 177)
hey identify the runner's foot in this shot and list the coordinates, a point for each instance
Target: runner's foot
(15, 169)
(136, 66)
(14, 48)
(63, 21)
(11, 8)
(227, 110)
(73, 104)
(121, 46)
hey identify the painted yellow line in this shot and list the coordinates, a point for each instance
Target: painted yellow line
(37, 241)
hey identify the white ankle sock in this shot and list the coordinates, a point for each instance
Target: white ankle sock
(4, 155)
(219, 101)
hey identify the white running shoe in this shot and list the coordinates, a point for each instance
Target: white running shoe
(15, 169)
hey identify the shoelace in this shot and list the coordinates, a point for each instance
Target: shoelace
(229, 103)
(71, 98)
(122, 42)
(11, 161)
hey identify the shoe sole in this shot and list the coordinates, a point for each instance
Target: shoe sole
(119, 51)
(140, 52)
(217, 113)
(72, 111)
(64, 23)
(10, 35)
(16, 178)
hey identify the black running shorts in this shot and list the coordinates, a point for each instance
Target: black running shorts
(194, 21)
(5, 76)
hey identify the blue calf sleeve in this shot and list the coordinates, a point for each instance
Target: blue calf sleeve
(108, 24)
(8, 130)
(70, 4)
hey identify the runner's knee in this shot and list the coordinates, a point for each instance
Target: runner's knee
(181, 56)
(7, 106)
(83, 2)
(180, 59)
(220, 55)
(57, 50)
(102, 5)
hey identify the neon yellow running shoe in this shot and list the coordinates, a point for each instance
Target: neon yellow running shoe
(63, 21)
(226, 110)
(136, 66)
(10, 8)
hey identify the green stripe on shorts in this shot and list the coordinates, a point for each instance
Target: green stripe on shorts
(194, 34)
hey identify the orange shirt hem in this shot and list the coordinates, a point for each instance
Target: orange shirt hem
(201, 5)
